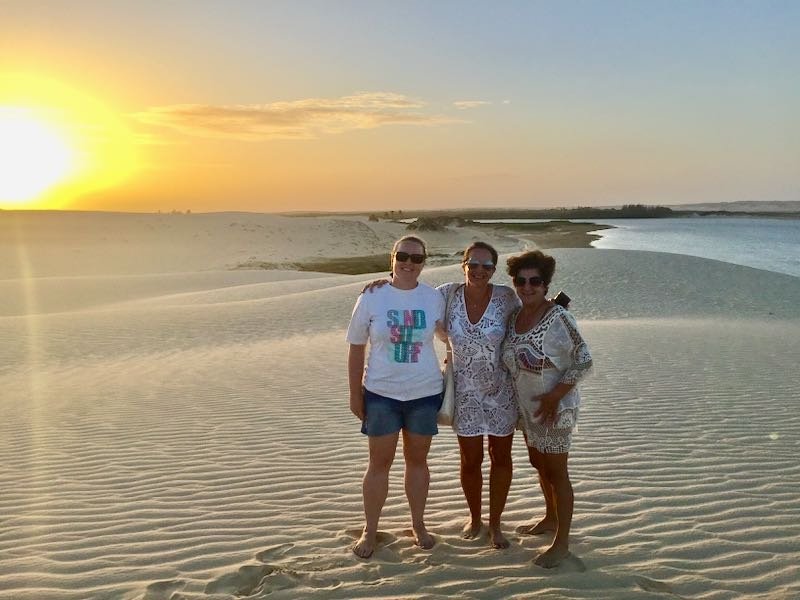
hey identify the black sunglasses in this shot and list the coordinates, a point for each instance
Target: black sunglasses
(474, 264)
(535, 281)
(417, 259)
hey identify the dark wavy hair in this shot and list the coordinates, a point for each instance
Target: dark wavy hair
(533, 259)
(481, 245)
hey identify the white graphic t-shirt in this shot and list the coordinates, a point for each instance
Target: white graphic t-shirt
(399, 326)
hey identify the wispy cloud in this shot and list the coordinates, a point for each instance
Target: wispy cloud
(467, 104)
(297, 119)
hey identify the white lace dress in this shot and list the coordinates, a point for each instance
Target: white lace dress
(485, 403)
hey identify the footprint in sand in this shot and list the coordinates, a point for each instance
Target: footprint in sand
(274, 552)
(284, 579)
(162, 590)
(244, 582)
(653, 585)
(570, 564)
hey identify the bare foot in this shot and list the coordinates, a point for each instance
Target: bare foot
(471, 530)
(422, 538)
(543, 526)
(552, 557)
(365, 545)
(497, 539)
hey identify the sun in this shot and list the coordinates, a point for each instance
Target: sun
(58, 144)
(34, 156)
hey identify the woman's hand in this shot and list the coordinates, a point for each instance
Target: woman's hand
(548, 408)
(357, 404)
(440, 332)
(372, 285)
(548, 403)
(355, 373)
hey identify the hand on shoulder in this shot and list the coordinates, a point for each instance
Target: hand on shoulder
(374, 285)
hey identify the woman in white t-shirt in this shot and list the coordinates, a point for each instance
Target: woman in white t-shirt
(401, 387)
(485, 405)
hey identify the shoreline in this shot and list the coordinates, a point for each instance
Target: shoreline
(545, 236)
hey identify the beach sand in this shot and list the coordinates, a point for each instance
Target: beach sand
(175, 428)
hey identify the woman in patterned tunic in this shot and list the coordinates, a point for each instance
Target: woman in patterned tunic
(546, 356)
(484, 399)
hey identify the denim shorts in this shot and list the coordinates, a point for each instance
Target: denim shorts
(387, 415)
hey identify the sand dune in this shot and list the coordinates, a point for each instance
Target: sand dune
(53, 244)
(186, 437)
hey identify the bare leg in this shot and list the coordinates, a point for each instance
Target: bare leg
(417, 480)
(472, 482)
(555, 469)
(375, 488)
(550, 520)
(499, 484)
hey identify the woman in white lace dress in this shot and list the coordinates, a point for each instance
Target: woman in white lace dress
(484, 400)
(546, 356)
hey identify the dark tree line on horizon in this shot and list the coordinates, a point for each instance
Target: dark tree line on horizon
(628, 211)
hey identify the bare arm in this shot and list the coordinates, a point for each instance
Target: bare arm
(355, 375)
(580, 364)
(374, 285)
(441, 332)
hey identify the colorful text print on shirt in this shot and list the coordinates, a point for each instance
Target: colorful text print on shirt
(402, 325)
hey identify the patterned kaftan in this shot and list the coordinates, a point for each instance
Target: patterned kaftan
(552, 352)
(485, 403)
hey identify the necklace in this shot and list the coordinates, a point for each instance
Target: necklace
(480, 301)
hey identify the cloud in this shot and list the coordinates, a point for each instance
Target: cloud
(467, 104)
(298, 119)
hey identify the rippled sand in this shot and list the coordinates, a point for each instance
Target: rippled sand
(186, 435)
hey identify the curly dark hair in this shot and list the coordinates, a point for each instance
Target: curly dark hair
(482, 245)
(533, 259)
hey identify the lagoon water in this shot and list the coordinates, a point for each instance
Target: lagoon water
(764, 243)
(770, 244)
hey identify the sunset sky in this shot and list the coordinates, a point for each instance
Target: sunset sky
(342, 105)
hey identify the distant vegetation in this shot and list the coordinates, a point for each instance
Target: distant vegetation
(462, 216)
(345, 265)
(629, 211)
(430, 223)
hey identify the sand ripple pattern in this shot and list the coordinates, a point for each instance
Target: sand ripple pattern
(203, 450)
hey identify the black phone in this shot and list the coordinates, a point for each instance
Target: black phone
(562, 299)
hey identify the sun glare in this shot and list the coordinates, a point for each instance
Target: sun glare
(57, 144)
(33, 156)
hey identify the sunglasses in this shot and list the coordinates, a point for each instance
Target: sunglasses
(535, 281)
(417, 259)
(474, 264)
